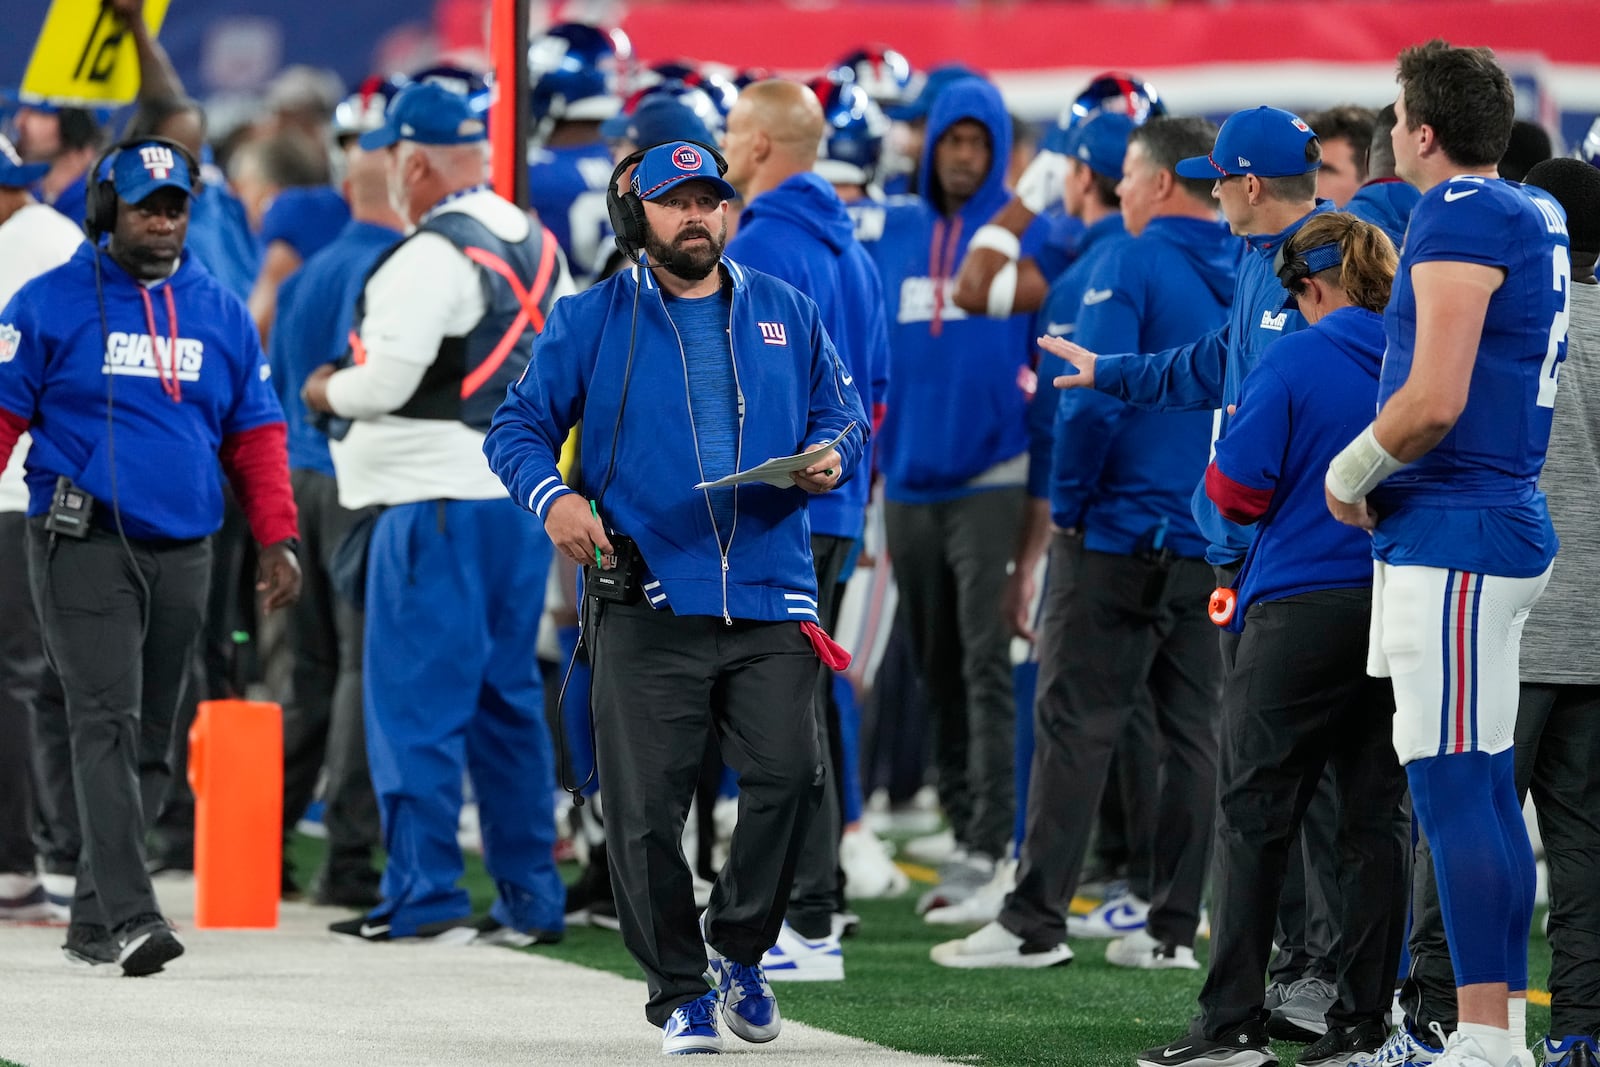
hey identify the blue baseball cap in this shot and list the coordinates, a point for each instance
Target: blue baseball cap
(427, 113)
(1100, 143)
(939, 79)
(14, 173)
(141, 169)
(667, 166)
(1267, 142)
(656, 121)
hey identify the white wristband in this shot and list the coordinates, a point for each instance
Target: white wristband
(1360, 468)
(997, 238)
(1003, 291)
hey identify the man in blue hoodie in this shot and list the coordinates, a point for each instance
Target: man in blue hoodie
(954, 460)
(1385, 200)
(714, 623)
(1128, 552)
(795, 227)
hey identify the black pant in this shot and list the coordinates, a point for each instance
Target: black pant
(816, 879)
(120, 625)
(662, 684)
(322, 725)
(950, 562)
(1134, 635)
(1308, 911)
(1297, 700)
(22, 673)
(1557, 751)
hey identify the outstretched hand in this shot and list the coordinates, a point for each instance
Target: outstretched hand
(1080, 359)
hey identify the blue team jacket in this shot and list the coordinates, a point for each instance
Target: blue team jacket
(1123, 474)
(793, 391)
(1309, 396)
(1387, 204)
(800, 232)
(1208, 372)
(957, 399)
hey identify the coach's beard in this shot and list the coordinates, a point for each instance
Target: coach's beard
(690, 264)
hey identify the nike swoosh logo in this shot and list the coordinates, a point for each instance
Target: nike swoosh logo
(1451, 195)
(1175, 1051)
(1059, 329)
(1096, 296)
(368, 930)
(845, 377)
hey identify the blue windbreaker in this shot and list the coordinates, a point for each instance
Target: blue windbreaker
(1309, 396)
(1123, 474)
(1208, 372)
(800, 232)
(957, 399)
(794, 393)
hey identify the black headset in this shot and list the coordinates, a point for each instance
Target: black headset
(1293, 268)
(627, 210)
(100, 208)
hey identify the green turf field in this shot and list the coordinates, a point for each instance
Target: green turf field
(1085, 1014)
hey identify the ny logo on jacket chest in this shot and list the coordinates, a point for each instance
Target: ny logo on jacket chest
(773, 333)
(133, 354)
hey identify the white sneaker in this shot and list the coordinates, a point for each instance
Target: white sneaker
(1116, 917)
(959, 878)
(869, 873)
(1402, 1048)
(1463, 1051)
(799, 959)
(937, 847)
(995, 946)
(982, 906)
(1143, 952)
(23, 899)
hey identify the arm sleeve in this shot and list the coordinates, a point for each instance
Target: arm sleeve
(1186, 378)
(254, 402)
(257, 465)
(1243, 476)
(1085, 426)
(22, 372)
(1453, 230)
(524, 440)
(1042, 424)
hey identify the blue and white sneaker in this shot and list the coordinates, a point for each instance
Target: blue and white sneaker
(1403, 1047)
(1580, 1051)
(748, 1006)
(1115, 917)
(692, 1029)
(800, 959)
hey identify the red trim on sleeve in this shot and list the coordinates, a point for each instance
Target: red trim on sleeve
(12, 427)
(1237, 503)
(257, 464)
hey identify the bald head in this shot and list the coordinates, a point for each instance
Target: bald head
(774, 131)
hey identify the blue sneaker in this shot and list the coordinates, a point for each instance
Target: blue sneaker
(692, 1028)
(748, 1006)
(1580, 1051)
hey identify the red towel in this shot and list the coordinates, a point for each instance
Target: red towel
(829, 651)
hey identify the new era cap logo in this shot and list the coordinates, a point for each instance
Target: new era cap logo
(686, 158)
(773, 333)
(1243, 162)
(157, 159)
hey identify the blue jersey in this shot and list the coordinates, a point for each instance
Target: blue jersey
(174, 396)
(567, 188)
(305, 218)
(315, 309)
(1472, 503)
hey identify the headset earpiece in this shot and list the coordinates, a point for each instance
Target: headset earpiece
(1292, 270)
(627, 210)
(100, 204)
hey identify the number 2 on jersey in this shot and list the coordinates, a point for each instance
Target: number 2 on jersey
(1551, 369)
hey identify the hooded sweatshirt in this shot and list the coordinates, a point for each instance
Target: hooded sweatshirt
(1387, 204)
(957, 402)
(1123, 474)
(801, 232)
(1208, 372)
(1311, 393)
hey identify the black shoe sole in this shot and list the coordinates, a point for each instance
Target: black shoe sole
(151, 955)
(1282, 1029)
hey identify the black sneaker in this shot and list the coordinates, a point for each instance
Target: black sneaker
(145, 945)
(492, 931)
(1342, 1043)
(589, 899)
(1245, 1046)
(373, 931)
(89, 945)
(357, 895)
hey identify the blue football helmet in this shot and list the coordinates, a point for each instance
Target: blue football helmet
(718, 89)
(575, 71)
(362, 111)
(1113, 91)
(469, 83)
(853, 133)
(693, 97)
(884, 73)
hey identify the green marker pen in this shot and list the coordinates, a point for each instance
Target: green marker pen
(593, 510)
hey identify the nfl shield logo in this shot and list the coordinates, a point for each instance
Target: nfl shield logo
(10, 341)
(686, 158)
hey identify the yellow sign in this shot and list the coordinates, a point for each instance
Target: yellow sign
(85, 55)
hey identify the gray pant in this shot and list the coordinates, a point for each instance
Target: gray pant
(123, 688)
(662, 683)
(816, 879)
(1136, 634)
(950, 563)
(1557, 751)
(322, 725)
